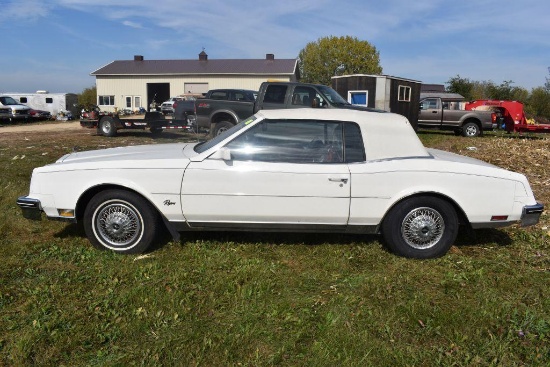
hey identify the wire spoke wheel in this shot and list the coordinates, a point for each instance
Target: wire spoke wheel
(118, 224)
(422, 228)
(121, 221)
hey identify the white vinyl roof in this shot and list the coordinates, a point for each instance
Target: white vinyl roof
(386, 135)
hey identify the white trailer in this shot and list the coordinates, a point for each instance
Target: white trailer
(45, 101)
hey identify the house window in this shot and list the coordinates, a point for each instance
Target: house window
(128, 102)
(23, 99)
(106, 100)
(358, 97)
(137, 102)
(404, 94)
(49, 100)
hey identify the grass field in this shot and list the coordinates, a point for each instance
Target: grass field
(238, 299)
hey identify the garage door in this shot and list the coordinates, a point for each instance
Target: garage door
(196, 88)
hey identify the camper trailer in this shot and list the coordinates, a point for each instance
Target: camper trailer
(55, 103)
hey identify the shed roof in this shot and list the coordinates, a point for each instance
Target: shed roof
(194, 67)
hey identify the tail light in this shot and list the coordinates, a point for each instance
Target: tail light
(493, 117)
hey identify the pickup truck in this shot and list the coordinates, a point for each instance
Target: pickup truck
(443, 114)
(219, 114)
(168, 107)
(17, 110)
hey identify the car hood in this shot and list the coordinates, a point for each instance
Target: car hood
(141, 156)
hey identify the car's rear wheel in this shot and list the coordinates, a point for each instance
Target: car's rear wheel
(421, 227)
(470, 129)
(221, 127)
(121, 221)
(156, 130)
(107, 126)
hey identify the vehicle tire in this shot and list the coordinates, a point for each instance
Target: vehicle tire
(221, 127)
(420, 227)
(470, 129)
(107, 126)
(121, 221)
(156, 130)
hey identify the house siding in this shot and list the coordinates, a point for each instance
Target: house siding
(162, 79)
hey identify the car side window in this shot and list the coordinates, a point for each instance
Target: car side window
(307, 97)
(303, 141)
(240, 96)
(430, 103)
(275, 94)
(354, 148)
(220, 95)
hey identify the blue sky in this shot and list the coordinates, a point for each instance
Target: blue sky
(55, 44)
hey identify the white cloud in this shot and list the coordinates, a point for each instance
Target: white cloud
(132, 24)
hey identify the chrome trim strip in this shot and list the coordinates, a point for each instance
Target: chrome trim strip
(272, 227)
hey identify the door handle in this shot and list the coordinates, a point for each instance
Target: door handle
(344, 180)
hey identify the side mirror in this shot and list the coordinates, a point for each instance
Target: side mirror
(421, 106)
(223, 154)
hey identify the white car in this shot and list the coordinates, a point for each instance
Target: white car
(309, 169)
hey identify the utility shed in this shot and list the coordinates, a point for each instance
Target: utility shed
(384, 92)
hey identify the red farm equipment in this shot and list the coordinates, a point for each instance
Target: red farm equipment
(511, 114)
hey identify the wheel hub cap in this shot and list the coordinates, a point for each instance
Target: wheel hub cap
(118, 224)
(422, 228)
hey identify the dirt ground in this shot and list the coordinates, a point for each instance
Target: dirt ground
(37, 127)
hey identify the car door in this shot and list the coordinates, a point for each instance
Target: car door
(430, 112)
(281, 174)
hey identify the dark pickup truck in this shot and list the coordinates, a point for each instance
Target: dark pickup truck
(440, 113)
(223, 108)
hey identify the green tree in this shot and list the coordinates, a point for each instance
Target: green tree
(88, 98)
(505, 91)
(462, 86)
(538, 103)
(332, 56)
(480, 89)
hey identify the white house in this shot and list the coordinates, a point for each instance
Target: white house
(131, 84)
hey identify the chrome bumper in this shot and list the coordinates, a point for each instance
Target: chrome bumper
(31, 208)
(531, 214)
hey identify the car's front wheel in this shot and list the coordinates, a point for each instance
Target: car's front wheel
(421, 227)
(120, 221)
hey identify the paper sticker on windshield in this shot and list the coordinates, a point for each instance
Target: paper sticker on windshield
(249, 120)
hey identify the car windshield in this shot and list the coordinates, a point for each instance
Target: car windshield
(332, 96)
(202, 147)
(6, 101)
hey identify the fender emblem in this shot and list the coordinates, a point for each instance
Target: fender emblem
(168, 203)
